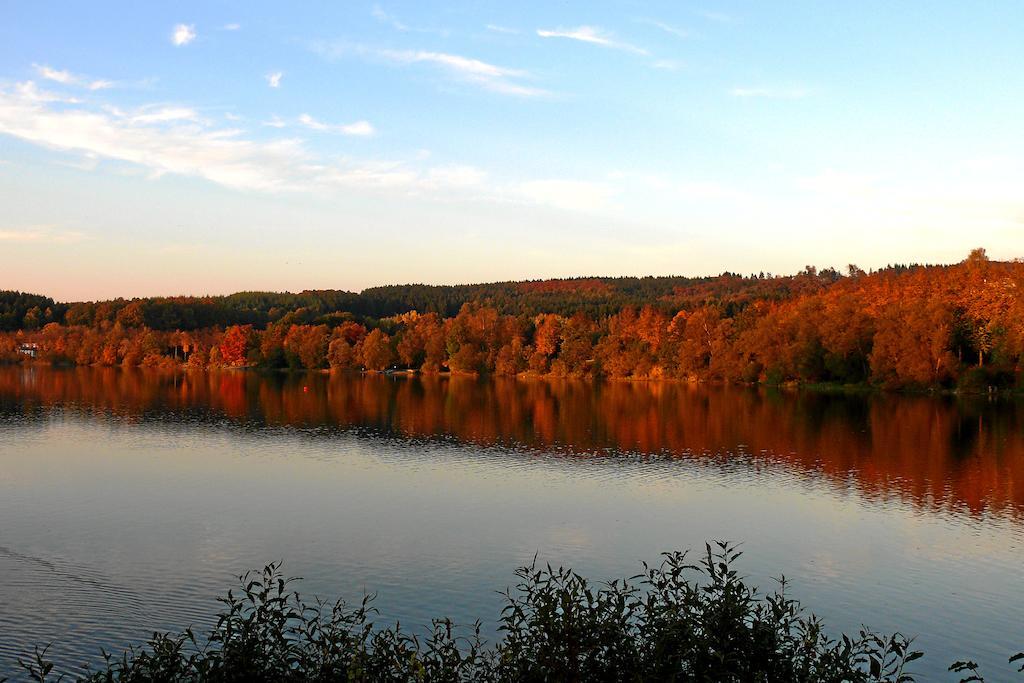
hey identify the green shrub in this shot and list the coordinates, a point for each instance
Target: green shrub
(980, 380)
(677, 621)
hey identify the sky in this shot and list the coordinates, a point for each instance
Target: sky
(211, 147)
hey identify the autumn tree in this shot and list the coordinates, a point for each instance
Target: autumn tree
(473, 339)
(271, 346)
(340, 354)
(376, 353)
(546, 337)
(132, 315)
(81, 314)
(847, 334)
(912, 345)
(306, 346)
(513, 358)
(575, 347)
(236, 343)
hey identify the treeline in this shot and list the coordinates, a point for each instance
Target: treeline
(596, 297)
(19, 310)
(917, 327)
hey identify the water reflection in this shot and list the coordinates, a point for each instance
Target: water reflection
(939, 453)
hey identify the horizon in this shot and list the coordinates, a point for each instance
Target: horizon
(766, 274)
(222, 148)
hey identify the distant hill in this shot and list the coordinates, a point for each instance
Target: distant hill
(924, 327)
(595, 296)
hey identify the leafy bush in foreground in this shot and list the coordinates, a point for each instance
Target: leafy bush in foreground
(678, 621)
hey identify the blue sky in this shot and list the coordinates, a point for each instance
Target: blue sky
(218, 146)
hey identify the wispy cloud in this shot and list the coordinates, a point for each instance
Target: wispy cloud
(162, 114)
(274, 79)
(719, 17)
(39, 235)
(67, 78)
(183, 34)
(593, 35)
(488, 76)
(484, 74)
(232, 27)
(495, 28)
(358, 128)
(172, 139)
(784, 93)
(667, 64)
(163, 141)
(46, 72)
(166, 140)
(385, 17)
(28, 91)
(667, 28)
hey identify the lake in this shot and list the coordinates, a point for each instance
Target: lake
(130, 500)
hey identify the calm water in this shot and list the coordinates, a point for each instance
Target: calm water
(128, 501)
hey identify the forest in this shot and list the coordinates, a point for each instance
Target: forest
(957, 326)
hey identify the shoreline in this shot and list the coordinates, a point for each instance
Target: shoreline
(789, 386)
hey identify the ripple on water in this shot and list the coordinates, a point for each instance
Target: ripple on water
(128, 515)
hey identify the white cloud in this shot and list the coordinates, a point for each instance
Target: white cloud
(274, 79)
(309, 122)
(488, 76)
(232, 27)
(163, 115)
(49, 74)
(592, 35)
(358, 128)
(183, 34)
(65, 77)
(30, 92)
(786, 93)
(39, 235)
(275, 121)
